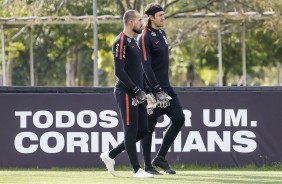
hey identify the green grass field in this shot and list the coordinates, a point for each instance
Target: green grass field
(124, 177)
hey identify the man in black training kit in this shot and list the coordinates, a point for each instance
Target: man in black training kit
(129, 93)
(153, 44)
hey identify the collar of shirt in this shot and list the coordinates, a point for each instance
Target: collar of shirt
(156, 30)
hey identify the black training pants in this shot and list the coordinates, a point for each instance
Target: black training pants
(175, 113)
(135, 125)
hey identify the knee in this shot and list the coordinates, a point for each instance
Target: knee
(179, 120)
(151, 129)
(142, 133)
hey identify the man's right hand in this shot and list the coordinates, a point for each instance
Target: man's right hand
(140, 95)
(163, 99)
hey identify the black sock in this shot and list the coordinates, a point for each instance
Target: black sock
(136, 168)
(112, 154)
(159, 157)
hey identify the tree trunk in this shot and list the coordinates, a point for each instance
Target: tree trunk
(9, 72)
(70, 68)
(190, 75)
(79, 67)
(224, 78)
(70, 71)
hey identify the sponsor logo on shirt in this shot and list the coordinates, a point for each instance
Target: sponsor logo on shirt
(165, 39)
(124, 51)
(117, 45)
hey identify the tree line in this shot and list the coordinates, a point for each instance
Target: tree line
(63, 54)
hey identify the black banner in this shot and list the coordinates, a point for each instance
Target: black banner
(228, 128)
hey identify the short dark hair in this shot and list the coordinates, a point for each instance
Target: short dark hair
(129, 15)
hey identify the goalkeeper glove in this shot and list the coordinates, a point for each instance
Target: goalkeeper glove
(151, 103)
(162, 98)
(140, 95)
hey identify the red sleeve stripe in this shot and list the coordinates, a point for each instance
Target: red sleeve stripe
(121, 46)
(127, 109)
(143, 45)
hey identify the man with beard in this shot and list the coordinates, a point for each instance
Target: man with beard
(153, 44)
(129, 93)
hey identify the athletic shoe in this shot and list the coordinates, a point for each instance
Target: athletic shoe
(159, 161)
(109, 162)
(142, 174)
(153, 171)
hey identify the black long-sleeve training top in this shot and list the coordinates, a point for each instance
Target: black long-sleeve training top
(127, 63)
(154, 47)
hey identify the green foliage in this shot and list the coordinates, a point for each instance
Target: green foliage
(14, 49)
(192, 42)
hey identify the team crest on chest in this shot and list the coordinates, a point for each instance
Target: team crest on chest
(129, 40)
(165, 39)
(153, 33)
